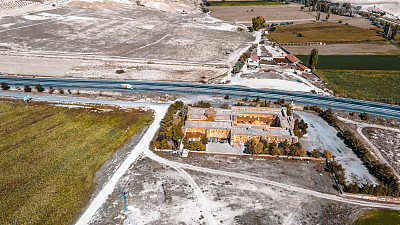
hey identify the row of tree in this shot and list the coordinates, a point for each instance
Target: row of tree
(389, 184)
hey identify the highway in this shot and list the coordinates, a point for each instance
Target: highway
(300, 98)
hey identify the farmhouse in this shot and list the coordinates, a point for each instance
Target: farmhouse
(253, 62)
(297, 63)
(281, 61)
(238, 124)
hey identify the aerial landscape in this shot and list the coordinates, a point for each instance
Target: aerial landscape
(200, 112)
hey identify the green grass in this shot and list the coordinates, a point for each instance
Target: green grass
(380, 217)
(326, 32)
(49, 155)
(361, 84)
(355, 62)
(242, 3)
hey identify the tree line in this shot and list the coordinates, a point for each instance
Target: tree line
(388, 183)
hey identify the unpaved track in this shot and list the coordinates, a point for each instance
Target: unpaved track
(107, 190)
(376, 151)
(317, 194)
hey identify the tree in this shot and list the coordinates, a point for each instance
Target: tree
(162, 145)
(174, 133)
(4, 86)
(61, 90)
(258, 22)
(257, 99)
(39, 88)
(27, 88)
(196, 146)
(251, 146)
(364, 116)
(51, 89)
(226, 97)
(394, 32)
(327, 155)
(313, 59)
(296, 150)
(328, 16)
(315, 153)
(318, 16)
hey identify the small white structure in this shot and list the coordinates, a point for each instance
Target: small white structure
(253, 62)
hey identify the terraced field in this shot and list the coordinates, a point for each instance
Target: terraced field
(49, 155)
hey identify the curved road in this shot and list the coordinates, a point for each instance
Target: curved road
(354, 105)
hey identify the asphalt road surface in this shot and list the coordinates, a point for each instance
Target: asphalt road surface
(299, 98)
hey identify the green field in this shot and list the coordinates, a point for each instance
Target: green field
(327, 32)
(380, 217)
(355, 62)
(368, 85)
(242, 3)
(49, 155)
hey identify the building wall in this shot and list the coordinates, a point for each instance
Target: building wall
(218, 133)
(256, 119)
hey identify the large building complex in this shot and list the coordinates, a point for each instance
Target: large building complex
(238, 124)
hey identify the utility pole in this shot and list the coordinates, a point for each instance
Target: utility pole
(123, 193)
(164, 186)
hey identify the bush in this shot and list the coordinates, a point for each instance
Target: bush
(61, 90)
(39, 88)
(226, 97)
(202, 104)
(4, 86)
(27, 88)
(120, 71)
(364, 116)
(51, 89)
(196, 146)
(315, 153)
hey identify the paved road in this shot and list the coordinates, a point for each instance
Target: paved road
(219, 90)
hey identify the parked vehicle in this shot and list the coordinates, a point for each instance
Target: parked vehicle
(126, 86)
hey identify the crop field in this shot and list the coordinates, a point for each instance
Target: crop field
(368, 85)
(355, 62)
(380, 216)
(242, 3)
(49, 155)
(326, 32)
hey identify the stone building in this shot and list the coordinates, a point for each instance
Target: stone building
(238, 124)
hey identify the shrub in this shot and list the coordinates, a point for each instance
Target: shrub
(4, 86)
(39, 88)
(60, 90)
(196, 146)
(51, 89)
(226, 97)
(27, 88)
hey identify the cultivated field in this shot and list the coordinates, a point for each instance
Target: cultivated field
(355, 62)
(326, 32)
(49, 156)
(380, 216)
(278, 14)
(271, 13)
(232, 201)
(346, 49)
(368, 85)
(242, 3)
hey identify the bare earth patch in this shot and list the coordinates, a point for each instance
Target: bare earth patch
(231, 200)
(388, 142)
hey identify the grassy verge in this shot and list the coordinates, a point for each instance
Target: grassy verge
(355, 62)
(368, 85)
(49, 155)
(242, 3)
(323, 32)
(380, 216)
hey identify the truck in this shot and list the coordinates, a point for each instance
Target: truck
(126, 86)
